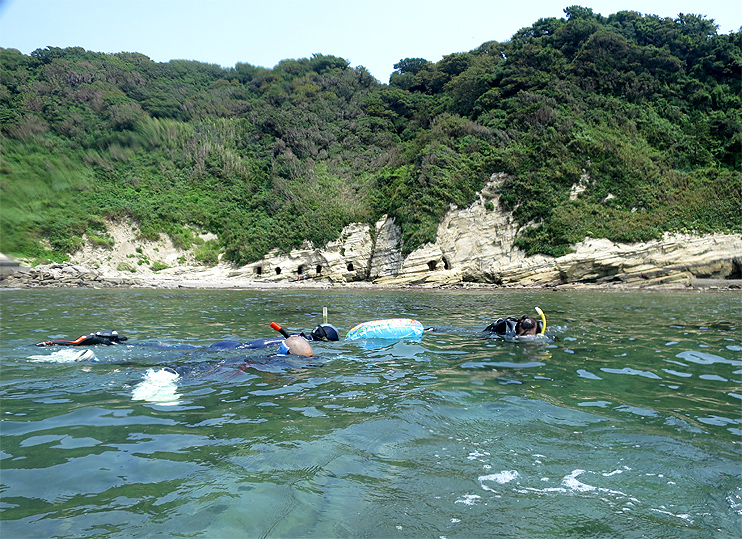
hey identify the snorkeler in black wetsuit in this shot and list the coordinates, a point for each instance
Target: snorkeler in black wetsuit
(515, 327)
(105, 336)
(524, 326)
(323, 332)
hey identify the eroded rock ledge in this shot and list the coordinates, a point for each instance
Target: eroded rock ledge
(463, 254)
(475, 245)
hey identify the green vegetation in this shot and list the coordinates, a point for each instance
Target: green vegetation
(158, 266)
(645, 112)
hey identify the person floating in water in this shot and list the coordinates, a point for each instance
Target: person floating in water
(524, 326)
(289, 344)
(105, 336)
(323, 332)
(527, 326)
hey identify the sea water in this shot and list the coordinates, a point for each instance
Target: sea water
(627, 424)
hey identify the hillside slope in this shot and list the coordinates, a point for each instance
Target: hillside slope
(620, 127)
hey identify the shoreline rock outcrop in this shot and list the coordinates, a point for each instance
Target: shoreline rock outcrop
(60, 275)
(475, 245)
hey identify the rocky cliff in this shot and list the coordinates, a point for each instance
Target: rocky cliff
(475, 244)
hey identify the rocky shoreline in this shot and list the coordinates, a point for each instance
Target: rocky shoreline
(68, 275)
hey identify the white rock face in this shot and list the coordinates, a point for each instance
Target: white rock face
(476, 244)
(130, 254)
(386, 260)
(344, 260)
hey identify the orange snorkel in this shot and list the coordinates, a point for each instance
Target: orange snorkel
(280, 329)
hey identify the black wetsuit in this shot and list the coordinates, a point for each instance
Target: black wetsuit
(505, 327)
(105, 336)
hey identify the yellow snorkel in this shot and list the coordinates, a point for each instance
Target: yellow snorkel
(543, 319)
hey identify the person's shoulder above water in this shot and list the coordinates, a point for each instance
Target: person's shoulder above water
(324, 332)
(296, 345)
(502, 326)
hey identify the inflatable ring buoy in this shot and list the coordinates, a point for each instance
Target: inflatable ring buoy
(390, 328)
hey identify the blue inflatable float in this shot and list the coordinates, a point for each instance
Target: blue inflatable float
(390, 328)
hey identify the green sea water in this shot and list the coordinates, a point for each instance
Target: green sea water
(628, 424)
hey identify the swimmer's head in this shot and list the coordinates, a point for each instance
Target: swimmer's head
(526, 326)
(325, 332)
(298, 345)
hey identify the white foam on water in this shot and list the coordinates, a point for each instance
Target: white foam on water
(735, 501)
(505, 476)
(570, 484)
(468, 499)
(683, 516)
(475, 455)
(158, 387)
(65, 355)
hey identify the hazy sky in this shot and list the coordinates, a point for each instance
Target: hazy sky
(372, 33)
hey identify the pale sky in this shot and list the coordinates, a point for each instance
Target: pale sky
(373, 33)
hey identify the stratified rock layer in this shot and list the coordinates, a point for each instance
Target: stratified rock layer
(475, 244)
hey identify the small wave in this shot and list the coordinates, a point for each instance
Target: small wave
(713, 377)
(570, 484)
(582, 373)
(678, 373)
(468, 499)
(158, 387)
(65, 355)
(735, 501)
(501, 364)
(683, 516)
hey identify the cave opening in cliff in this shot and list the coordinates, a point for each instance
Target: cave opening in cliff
(446, 265)
(319, 269)
(258, 270)
(350, 266)
(278, 271)
(736, 269)
(300, 270)
(432, 265)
